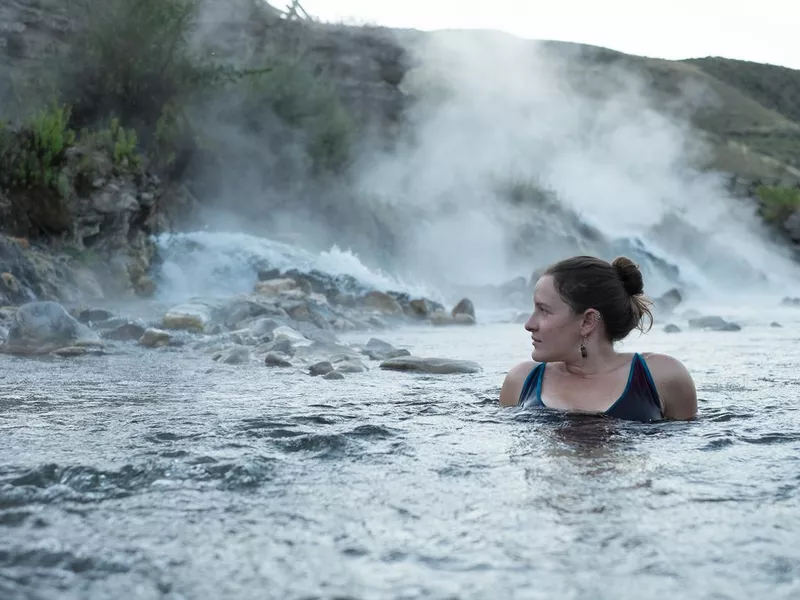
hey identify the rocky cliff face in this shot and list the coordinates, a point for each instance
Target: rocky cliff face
(98, 233)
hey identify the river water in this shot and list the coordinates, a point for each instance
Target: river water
(145, 474)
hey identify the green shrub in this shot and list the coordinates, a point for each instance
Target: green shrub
(778, 203)
(118, 143)
(33, 156)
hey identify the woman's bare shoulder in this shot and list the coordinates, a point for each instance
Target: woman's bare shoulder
(675, 385)
(515, 379)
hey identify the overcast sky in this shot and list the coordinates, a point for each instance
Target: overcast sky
(757, 30)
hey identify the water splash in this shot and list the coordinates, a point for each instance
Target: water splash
(209, 264)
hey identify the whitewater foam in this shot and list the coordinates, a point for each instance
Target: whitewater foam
(213, 264)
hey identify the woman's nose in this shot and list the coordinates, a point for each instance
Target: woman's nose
(529, 324)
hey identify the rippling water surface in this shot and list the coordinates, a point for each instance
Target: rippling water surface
(160, 474)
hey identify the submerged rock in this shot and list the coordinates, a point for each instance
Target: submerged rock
(88, 316)
(713, 323)
(439, 366)
(238, 355)
(42, 327)
(70, 351)
(671, 328)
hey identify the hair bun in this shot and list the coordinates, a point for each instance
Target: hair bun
(630, 275)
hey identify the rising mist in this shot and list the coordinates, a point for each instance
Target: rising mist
(490, 107)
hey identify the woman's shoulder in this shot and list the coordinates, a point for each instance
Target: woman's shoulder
(515, 379)
(674, 383)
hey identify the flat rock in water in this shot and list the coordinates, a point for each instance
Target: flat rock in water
(713, 323)
(439, 366)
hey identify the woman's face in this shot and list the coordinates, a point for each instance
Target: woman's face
(553, 325)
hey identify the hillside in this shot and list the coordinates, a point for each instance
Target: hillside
(750, 111)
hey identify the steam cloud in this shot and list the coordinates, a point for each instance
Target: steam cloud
(492, 107)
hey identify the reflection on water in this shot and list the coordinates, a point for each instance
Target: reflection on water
(148, 474)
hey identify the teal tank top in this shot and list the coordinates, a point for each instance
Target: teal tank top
(639, 401)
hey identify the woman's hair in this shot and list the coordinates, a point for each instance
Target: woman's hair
(615, 290)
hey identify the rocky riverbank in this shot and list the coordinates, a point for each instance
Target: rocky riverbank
(290, 319)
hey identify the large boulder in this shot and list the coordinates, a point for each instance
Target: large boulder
(43, 327)
(192, 316)
(464, 307)
(382, 302)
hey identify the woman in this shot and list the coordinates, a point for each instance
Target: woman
(582, 305)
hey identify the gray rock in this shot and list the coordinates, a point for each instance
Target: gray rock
(273, 359)
(439, 366)
(671, 328)
(333, 375)
(320, 368)
(70, 351)
(241, 312)
(154, 338)
(93, 315)
(238, 355)
(464, 307)
(125, 333)
(382, 302)
(42, 327)
(263, 327)
(351, 366)
(378, 355)
(284, 346)
(380, 345)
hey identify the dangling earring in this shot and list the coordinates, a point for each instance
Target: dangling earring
(584, 354)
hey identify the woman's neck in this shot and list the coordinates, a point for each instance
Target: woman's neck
(600, 359)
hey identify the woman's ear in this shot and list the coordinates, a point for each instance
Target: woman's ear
(591, 319)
